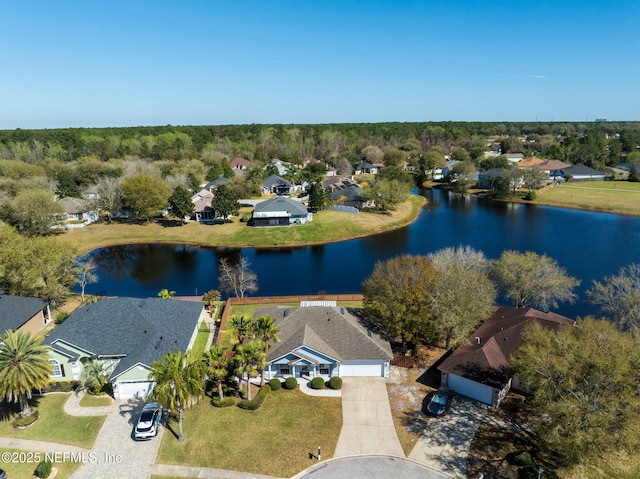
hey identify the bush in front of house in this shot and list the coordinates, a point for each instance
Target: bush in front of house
(60, 317)
(275, 384)
(26, 421)
(290, 383)
(257, 401)
(226, 402)
(43, 470)
(317, 383)
(335, 382)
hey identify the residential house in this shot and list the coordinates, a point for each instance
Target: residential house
(349, 196)
(479, 368)
(366, 168)
(280, 211)
(212, 185)
(21, 313)
(490, 179)
(530, 162)
(126, 335)
(240, 164)
(77, 212)
(203, 211)
(582, 173)
(554, 169)
(513, 157)
(275, 184)
(446, 170)
(320, 339)
(612, 173)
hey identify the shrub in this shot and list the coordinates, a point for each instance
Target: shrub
(44, 469)
(226, 402)
(290, 383)
(245, 218)
(335, 382)
(60, 317)
(530, 196)
(256, 402)
(275, 384)
(26, 421)
(317, 383)
(522, 458)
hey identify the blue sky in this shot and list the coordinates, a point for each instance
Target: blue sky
(127, 62)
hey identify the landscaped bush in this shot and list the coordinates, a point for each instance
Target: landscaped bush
(290, 383)
(26, 421)
(60, 317)
(317, 383)
(530, 196)
(335, 382)
(256, 402)
(60, 386)
(226, 402)
(275, 384)
(44, 469)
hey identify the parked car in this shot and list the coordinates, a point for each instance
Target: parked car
(148, 422)
(440, 402)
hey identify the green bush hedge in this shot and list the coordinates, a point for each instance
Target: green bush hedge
(226, 402)
(335, 382)
(530, 196)
(317, 383)
(256, 402)
(26, 421)
(275, 384)
(290, 383)
(61, 316)
(43, 470)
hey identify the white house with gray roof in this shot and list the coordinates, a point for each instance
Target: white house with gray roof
(127, 335)
(280, 211)
(324, 341)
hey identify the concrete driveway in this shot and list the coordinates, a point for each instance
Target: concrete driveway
(367, 425)
(444, 443)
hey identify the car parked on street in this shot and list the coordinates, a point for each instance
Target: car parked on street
(148, 422)
(440, 402)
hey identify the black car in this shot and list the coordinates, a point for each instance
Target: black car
(440, 402)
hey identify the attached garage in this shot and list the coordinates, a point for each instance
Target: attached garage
(363, 368)
(132, 389)
(469, 388)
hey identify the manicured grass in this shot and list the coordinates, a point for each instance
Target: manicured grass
(274, 440)
(24, 466)
(621, 197)
(53, 425)
(89, 400)
(327, 226)
(201, 339)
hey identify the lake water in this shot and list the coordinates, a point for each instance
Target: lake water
(588, 245)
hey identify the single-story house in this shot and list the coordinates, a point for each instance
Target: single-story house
(366, 168)
(479, 368)
(77, 212)
(202, 206)
(126, 335)
(280, 211)
(212, 185)
(240, 164)
(349, 196)
(582, 173)
(554, 168)
(530, 162)
(320, 339)
(513, 157)
(276, 184)
(21, 313)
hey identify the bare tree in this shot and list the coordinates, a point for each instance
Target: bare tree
(86, 274)
(239, 279)
(109, 198)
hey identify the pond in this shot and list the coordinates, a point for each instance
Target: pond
(588, 245)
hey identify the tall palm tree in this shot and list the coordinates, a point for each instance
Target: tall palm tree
(241, 329)
(249, 357)
(24, 366)
(216, 366)
(265, 329)
(179, 381)
(94, 376)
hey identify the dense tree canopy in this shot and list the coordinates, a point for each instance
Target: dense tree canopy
(145, 195)
(618, 297)
(34, 212)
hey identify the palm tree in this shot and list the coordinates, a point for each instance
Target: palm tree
(266, 330)
(24, 366)
(216, 366)
(178, 381)
(94, 376)
(249, 357)
(166, 294)
(210, 298)
(241, 329)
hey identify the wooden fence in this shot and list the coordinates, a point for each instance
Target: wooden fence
(402, 361)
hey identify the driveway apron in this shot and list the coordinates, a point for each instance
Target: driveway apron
(444, 443)
(367, 425)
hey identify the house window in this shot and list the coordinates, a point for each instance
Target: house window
(284, 369)
(57, 369)
(324, 369)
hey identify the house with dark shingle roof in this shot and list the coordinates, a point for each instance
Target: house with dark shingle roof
(275, 184)
(582, 172)
(479, 368)
(324, 340)
(280, 211)
(366, 168)
(125, 334)
(22, 313)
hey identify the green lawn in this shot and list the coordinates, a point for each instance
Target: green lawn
(608, 196)
(53, 425)
(274, 440)
(89, 400)
(25, 464)
(201, 339)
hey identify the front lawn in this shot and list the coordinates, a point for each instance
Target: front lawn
(25, 464)
(54, 425)
(274, 440)
(89, 400)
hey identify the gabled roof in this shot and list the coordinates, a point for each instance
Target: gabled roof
(351, 193)
(365, 165)
(281, 204)
(140, 330)
(581, 170)
(530, 161)
(17, 310)
(73, 205)
(215, 183)
(484, 357)
(324, 329)
(550, 165)
(202, 200)
(239, 162)
(272, 180)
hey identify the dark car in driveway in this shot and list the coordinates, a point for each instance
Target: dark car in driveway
(440, 402)
(148, 422)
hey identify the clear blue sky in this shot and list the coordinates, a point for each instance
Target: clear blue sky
(127, 62)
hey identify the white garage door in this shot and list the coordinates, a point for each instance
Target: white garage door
(361, 368)
(132, 389)
(471, 389)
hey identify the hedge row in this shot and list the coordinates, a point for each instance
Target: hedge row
(256, 402)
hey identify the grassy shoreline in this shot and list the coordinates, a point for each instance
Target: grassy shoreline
(328, 226)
